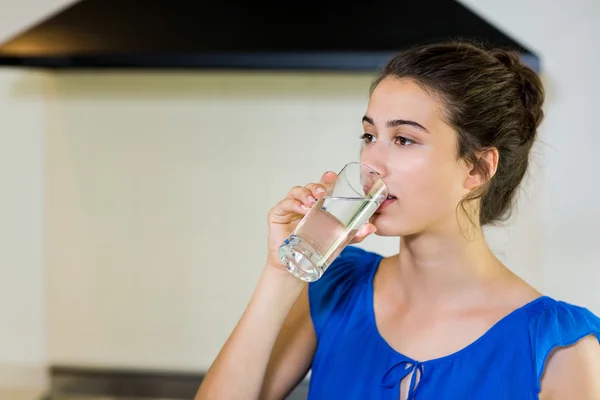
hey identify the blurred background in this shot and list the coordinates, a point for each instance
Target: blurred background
(133, 201)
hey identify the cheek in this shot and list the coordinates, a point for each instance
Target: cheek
(432, 181)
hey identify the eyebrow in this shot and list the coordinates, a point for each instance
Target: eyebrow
(397, 122)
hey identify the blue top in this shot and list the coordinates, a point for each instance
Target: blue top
(353, 361)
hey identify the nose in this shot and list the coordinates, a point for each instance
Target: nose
(375, 160)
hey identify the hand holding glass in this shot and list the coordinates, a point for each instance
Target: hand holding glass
(332, 222)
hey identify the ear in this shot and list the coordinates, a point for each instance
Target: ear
(484, 169)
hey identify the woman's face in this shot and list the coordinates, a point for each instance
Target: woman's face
(407, 141)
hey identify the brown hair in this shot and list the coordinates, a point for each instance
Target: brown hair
(491, 100)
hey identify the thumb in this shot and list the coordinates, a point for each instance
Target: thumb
(328, 180)
(363, 232)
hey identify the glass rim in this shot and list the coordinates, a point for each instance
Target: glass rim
(360, 165)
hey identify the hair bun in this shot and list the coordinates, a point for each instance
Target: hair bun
(530, 87)
(508, 58)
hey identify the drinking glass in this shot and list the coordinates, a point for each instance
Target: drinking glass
(332, 222)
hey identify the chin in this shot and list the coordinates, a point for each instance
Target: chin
(389, 226)
(392, 226)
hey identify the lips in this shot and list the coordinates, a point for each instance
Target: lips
(389, 200)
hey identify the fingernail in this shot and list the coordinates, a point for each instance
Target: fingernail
(311, 199)
(304, 207)
(320, 190)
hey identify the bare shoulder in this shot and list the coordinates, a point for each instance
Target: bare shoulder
(515, 290)
(572, 372)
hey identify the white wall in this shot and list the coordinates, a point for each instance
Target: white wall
(157, 186)
(22, 285)
(21, 230)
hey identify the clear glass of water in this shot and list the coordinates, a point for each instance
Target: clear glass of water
(332, 222)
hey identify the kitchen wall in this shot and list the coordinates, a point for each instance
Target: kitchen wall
(159, 184)
(157, 190)
(22, 284)
(150, 237)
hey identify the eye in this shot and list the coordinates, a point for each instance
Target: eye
(402, 141)
(368, 138)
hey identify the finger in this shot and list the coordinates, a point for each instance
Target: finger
(328, 178)
(303, 194)
(317, 190)
(289, 206)
(363, 232)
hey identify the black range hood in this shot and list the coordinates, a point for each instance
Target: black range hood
(324, 35)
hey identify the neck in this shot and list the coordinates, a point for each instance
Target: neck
(439, 268)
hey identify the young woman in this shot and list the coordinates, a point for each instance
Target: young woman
(449, 127)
